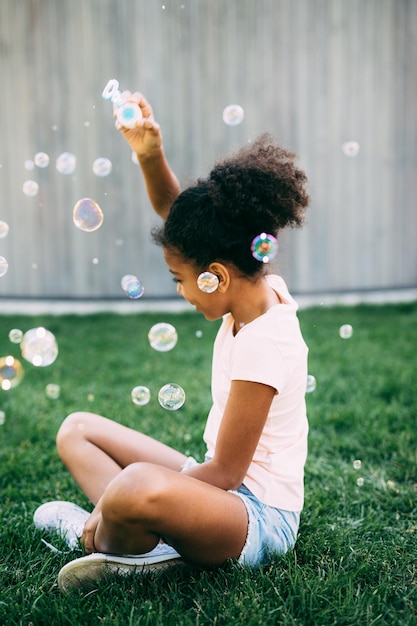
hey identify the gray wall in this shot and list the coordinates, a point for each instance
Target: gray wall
(314, 73)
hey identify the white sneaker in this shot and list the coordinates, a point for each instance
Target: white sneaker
(84, 572)
(65, 518)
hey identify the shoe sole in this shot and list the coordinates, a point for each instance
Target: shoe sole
(84, 573)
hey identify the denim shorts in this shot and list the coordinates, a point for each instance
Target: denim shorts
(270, 530)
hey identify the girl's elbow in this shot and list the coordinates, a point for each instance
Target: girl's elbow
(234, 480)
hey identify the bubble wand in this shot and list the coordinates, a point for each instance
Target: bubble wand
(127, 113)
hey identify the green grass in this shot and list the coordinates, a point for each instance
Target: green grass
(355, 560)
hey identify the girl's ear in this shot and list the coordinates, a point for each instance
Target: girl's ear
(222, 274)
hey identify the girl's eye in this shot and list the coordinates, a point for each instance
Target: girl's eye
(176, 280)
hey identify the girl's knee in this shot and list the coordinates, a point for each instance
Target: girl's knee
(70, 432)
(136, 493)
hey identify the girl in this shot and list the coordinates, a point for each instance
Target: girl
(153, 505)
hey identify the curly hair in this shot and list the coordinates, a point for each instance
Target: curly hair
(256, 190)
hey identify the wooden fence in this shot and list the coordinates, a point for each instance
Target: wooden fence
(314, 73)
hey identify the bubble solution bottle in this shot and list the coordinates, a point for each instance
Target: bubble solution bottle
(127, 113)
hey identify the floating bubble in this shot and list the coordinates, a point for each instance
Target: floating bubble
(4, 229)
(39, 347)
(350, 148)
(102, 167)
(66, 163)
(91, 397)
(30, 188)
(140, 395)
(311, 384)
(162, 337)
(233, 115)
(360, 481)
(11, 372)
(132, 286)
(346, 331)
(2, 417)
(87, 215)
(4, 266)
(198, 334)
(171, 396)
(52, 391)
(264, 247)
(357, 464)
(15, 335)
(41, 159)
(29, 165)
(207, 282)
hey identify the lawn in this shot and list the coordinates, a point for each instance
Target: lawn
(355, 560)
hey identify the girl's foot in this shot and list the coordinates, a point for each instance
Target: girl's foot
(84, 572)
(64, 518)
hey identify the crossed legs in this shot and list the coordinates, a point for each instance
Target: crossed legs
(143, 496)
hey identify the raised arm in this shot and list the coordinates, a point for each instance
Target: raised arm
(145, 139)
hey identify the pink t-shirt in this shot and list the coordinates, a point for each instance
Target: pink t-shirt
(268, 350)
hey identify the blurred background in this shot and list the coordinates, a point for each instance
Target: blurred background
(333, 80)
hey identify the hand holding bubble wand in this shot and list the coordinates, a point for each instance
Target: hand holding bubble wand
(127, 113)
(135, 120)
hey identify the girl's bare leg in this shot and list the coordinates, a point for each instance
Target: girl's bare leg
(144, 502)
(96, 449)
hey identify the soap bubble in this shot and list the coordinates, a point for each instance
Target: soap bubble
(30, 188)
(41, 159)
(39, 347)
(140, 395)
(4, 266)
(360, 481)
(66, 163)
(102, 167)
(357, 464)
(11, 372)
(350, 148)
(52, 391)
(87, 215)
(198, 334)
(4, 229)
(15, 335)
(264, 247)
(346, 331)
(132, 286)
(311, 384)
(2, 417)
(171, 396)
(162, 337)
(29, 165)
(233, 115)
(207, 282)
